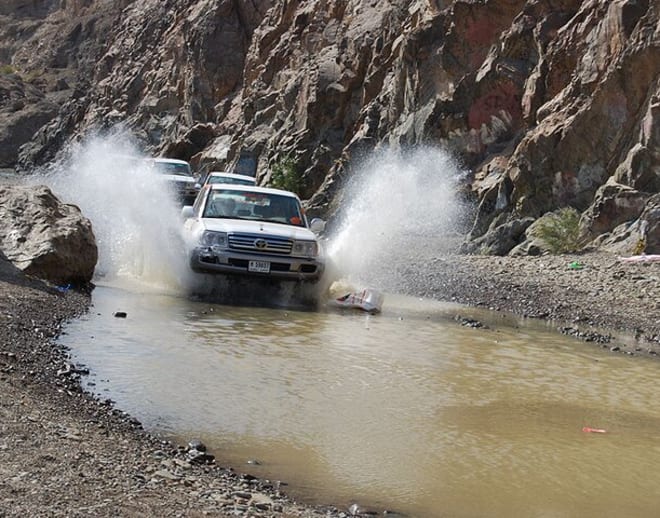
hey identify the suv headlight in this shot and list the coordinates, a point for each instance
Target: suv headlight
(213, 239)
(305, 248)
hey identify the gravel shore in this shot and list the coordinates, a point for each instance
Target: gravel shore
(64, 453)
(587, 295)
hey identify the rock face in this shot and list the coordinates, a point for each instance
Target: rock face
(44, 237)
(23, 111)
(549, 103)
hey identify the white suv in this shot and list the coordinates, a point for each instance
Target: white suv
(178, 175)
(230, 178)
(255, 231)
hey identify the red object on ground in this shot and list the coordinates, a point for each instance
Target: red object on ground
(588, 429)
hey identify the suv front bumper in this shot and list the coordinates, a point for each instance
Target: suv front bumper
(206, 260)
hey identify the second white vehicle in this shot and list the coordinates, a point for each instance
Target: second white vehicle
(254, 231)
(230, 178)
(179, 178)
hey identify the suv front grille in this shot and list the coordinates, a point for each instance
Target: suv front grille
(269, 244)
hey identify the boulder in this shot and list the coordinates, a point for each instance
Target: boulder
(613, 205)
(500, 238)
(44, 237)
(641, 235)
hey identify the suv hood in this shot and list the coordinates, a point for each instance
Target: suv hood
(258, 227)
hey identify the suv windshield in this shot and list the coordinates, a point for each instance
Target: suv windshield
(229, 180)
(173, 168)
(257, 206)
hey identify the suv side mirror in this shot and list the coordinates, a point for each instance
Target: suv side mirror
(317, 225)
(186, 212)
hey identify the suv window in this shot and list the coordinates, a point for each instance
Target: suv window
(258, 206)
(229, 180)
(173, 168)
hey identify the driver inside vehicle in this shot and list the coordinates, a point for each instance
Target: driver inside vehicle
(278, 209)
(228, 207)
(283, 211)
(222, 208)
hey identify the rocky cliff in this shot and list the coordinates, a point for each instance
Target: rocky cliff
(548, 103)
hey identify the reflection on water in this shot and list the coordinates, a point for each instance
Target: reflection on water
(406, 410)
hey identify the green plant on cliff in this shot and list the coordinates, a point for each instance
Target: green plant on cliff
(7, 69)
(286, 175)
(560, 230)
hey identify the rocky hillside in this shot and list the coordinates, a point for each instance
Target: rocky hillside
(549, 103)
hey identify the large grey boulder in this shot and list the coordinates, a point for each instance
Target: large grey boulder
(44, 237)
(500, 238)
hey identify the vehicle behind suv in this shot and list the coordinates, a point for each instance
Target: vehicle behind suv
(229, 178)
(252, 231)
(179, 177)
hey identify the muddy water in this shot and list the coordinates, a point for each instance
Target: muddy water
(407, 410)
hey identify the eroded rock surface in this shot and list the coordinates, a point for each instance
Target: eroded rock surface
(544, 101)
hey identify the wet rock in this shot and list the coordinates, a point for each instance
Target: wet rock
(587, 336)
(196, 444)
(199, 457)
(470, 322)
(358, 510)
(71, 369)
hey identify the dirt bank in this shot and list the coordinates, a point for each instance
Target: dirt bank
(63, 453)
(584, 294)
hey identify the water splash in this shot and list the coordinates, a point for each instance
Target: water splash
(400, 207)
(134, 218)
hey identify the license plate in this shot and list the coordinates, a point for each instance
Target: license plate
(259, 266)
